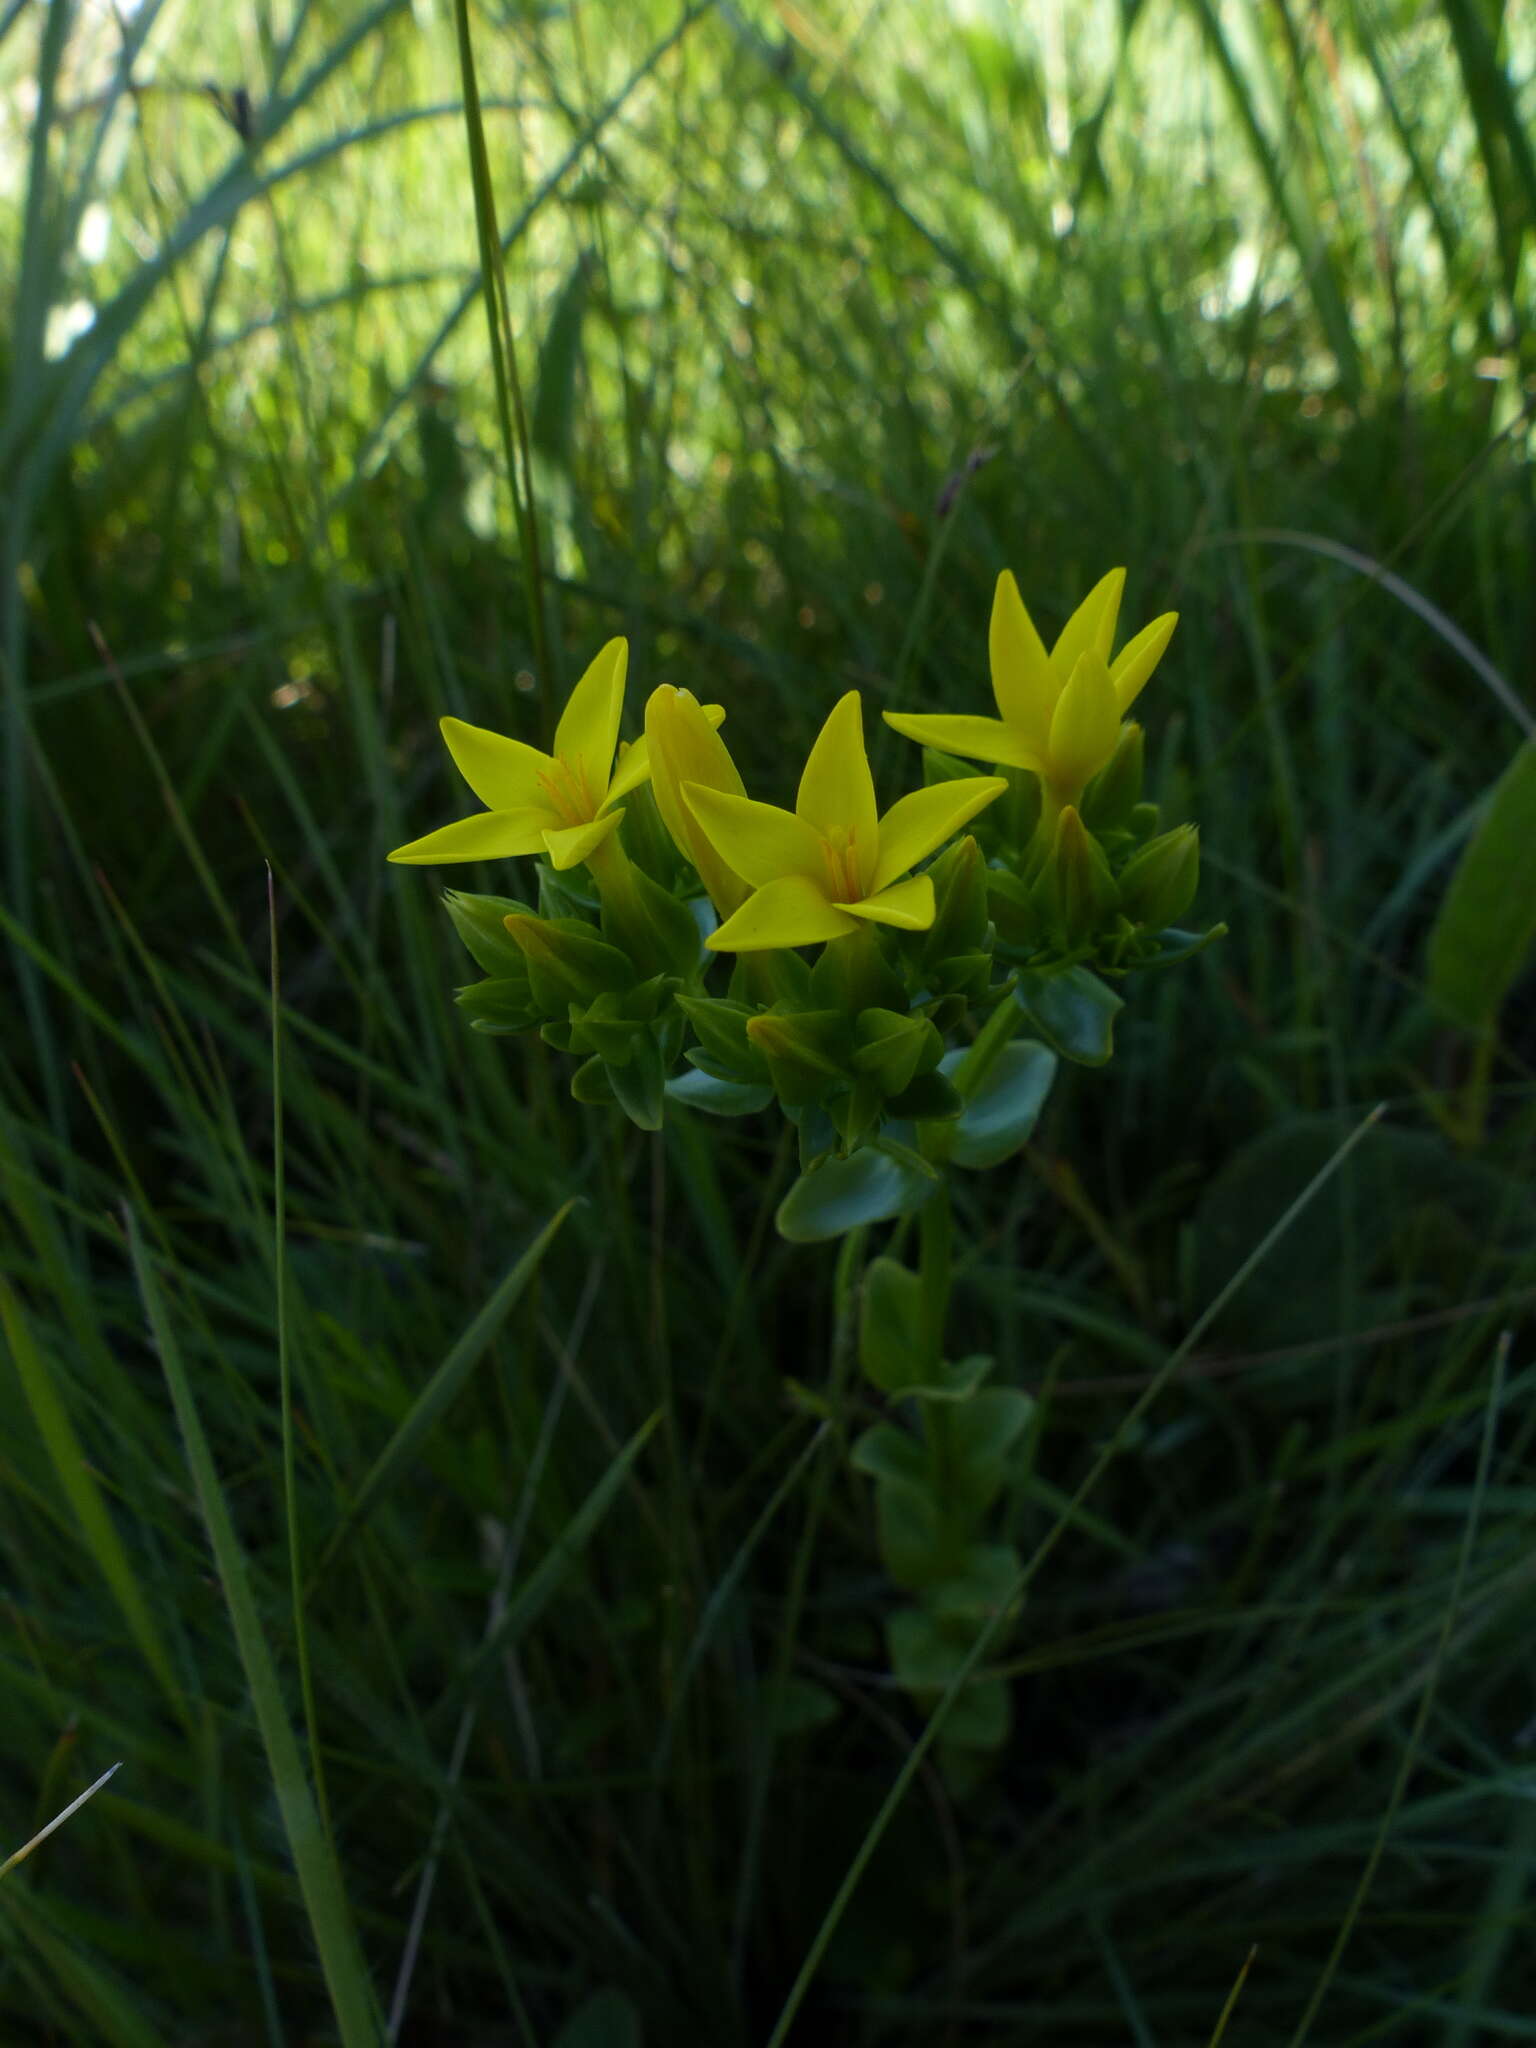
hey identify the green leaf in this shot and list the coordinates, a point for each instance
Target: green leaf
(500, 1006)
(1483, 936)
(800, 1706)
(982, 1432)
(841, 1194)
(721, 1028)
(1004, 1110)
(892, 1456)
(590, 1084)
(932, 1098)
(606, 2020)
(701, 1090)
(1073, 1011)
(891, 1350)
(639, 1085)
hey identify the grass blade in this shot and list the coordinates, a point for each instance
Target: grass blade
(319, 1875)
(82, 1492)
(440, 1391)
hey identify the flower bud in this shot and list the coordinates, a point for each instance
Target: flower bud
(960, 900)
(684, 747)
(1158, 883)
(480, 922)
(805, 1052)
(893, 1049)
(1075, 892)
(567, 962)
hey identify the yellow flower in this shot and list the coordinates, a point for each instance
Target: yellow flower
(564, 804)
(816, 872)
(1060, 712)
(685, 748)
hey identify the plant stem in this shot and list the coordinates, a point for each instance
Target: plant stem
(987, 1046)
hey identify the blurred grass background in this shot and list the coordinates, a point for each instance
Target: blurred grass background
(569, 1718)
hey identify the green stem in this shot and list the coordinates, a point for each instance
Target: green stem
(935, 1270)
(987, 1046)
(935, 1235)
(610, 868)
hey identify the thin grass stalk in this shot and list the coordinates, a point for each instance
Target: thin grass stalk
(510, 411)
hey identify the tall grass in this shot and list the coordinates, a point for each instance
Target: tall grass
(429, 1492)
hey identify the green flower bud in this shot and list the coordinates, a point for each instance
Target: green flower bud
(501, 1005)
(1158, 883)
(806, 1052)
(893, 1049)
(1075, 892)
(960, 897)
(480, 922)
(721, 1029)
(567, 962)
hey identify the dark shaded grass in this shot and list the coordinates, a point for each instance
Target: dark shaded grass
(800, 422)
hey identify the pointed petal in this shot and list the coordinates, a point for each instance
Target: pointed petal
(837, 791)
(489, 835)
(758, 841)
(1137, 659)
(908, 905)
(684, 747)
(980, 739)
(634, 765)
(569, 845)
(503, 773)
(1086, 725)
(789, 912)
(588, 730)
(1091, 625)
(919, 824)
(1022, 682)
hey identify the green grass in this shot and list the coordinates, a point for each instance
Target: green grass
(433, 1494)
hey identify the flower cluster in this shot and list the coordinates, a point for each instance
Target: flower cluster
(654, 859)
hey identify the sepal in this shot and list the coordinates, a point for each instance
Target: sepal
(480, 922)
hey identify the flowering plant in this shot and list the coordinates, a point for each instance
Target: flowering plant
(901, 986)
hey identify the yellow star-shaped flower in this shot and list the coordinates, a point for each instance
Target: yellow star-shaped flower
(816, 872)
(564, 804)
(1060, 712)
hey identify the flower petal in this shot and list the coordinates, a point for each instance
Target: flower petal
(1022, 682)
(569, 845)
(634, 765)
(489, 835)
(1136, 660)
(588, 730)
(759, 841)
(917, 825)
(1091, 625)
(789, 912)
(635, 762)
(907, 905)
(680, 734)
(1086, 725)
(503, 773)
(837, 791)
(981, 739)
